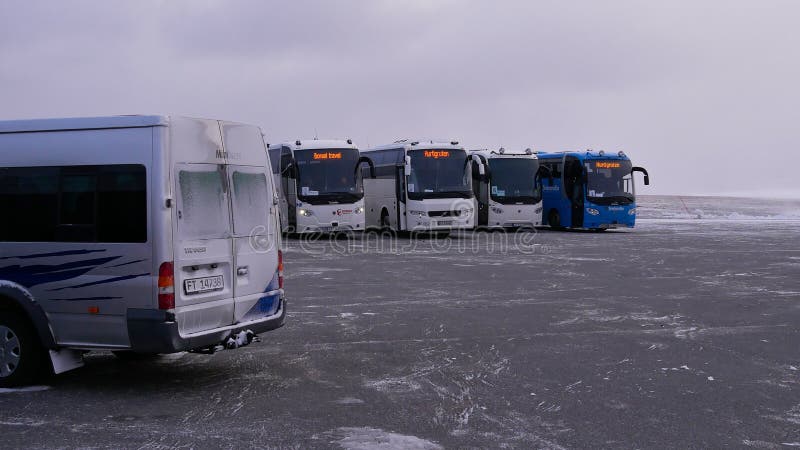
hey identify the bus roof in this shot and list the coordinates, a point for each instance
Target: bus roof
(588, 154)
(82, 123)
(410, 144)
(317, 144)
(503, 153)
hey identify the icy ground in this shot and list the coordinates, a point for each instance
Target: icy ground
(683, 333)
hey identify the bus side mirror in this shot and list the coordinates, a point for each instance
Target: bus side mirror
(368, 161)
(291, 169)
(483, 168)
(546, 172)
(644, 171)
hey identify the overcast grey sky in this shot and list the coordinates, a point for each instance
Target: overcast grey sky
(704, 94)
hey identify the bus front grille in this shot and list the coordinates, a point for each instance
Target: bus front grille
(444, 213)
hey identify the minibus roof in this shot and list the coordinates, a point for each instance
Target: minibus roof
(81, 123)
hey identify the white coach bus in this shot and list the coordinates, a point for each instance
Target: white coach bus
(507, 188)
(321, 187)
(420, 186)
(136, 234)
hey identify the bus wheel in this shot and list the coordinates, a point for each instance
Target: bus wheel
(22, 358)
(127, 355)
(554, 220)
(385, 224)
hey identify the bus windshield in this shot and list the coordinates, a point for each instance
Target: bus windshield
(609, 181)
(438, 174)
(327, 175)
(513, 180)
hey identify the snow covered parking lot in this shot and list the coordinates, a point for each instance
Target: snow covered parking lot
(681, 333)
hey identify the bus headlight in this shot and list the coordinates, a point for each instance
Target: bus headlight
(418, 213)
(593, 211)
(305, 212)
(537, 210)
(359, 210)
(632, 211)
(497, 210)
(465, 211)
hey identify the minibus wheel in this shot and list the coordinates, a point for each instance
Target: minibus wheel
(22, 358)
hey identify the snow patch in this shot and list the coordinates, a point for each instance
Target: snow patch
(22, 423)
(394, 385)
(349, 401)
(374, 438)
(24, 389)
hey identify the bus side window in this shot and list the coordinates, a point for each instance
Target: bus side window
(286, 159)
(396, 156)
(556, 169)
(377, 158)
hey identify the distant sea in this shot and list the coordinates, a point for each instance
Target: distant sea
(661, 207)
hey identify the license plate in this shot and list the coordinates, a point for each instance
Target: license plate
(325, 229)
(444, 222)
(205, 284)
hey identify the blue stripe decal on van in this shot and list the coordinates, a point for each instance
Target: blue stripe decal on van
(273, 284)
(128, 263)
(267, 305)
(34, 275)
(45, 255)
(106, 281)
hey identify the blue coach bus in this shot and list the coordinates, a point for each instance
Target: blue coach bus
(590, 190)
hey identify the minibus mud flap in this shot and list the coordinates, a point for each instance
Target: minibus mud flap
(239, 339)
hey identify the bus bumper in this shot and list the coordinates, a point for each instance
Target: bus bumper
(151, 331)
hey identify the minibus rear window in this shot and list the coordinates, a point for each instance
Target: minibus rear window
(249, 203)
(203, 211)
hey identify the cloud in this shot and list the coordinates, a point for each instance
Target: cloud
(686, 88)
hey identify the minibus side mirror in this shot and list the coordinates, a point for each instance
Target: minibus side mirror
(644, 171)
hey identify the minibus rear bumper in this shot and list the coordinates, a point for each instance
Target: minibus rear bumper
(152, 331)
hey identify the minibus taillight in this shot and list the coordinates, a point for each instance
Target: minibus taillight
(166, 286)
(280, 269)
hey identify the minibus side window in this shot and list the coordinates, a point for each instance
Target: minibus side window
(76, 216)
(29, 201)
(249, 203)
(122, 204)
(204, 206)
(74, 204)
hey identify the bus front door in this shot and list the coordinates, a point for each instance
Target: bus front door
(400, 195)
(574, 184)
(480, 188)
